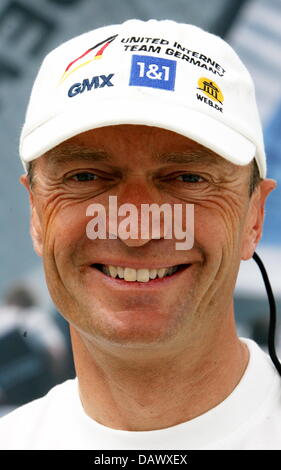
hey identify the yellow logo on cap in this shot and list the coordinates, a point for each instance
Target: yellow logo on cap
(210, 89)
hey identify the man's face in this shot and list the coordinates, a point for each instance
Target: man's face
(143, 165)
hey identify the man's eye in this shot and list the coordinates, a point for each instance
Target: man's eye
(86, 176)
(190, 178)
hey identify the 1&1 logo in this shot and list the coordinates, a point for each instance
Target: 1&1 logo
(153, 72)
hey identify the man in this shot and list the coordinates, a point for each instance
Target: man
(150, 113)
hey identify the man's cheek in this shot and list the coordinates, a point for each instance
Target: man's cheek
(211, 225)
(225, 221)
(65, 221)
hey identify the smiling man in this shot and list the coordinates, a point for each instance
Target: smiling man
(166, 116)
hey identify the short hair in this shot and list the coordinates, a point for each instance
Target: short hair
(30, 173)
(254, 180)
(255, 177)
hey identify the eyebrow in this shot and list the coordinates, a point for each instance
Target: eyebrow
(60, 156)
(193, 156)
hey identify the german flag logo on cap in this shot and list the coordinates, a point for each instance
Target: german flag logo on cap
(88, 56)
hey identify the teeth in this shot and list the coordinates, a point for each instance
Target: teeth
(106, 270)
(130, 274)
(152, 273)
(142, 275)
(120, 272)
(112, 271)
(161, 272)
(173, 269)
(139, 275)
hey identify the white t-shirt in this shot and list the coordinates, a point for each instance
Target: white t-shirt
(249, 418)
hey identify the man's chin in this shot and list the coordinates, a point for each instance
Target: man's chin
(138, 328)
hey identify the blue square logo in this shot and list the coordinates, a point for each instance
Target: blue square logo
(153, 72)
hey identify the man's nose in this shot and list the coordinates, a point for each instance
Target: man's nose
(138, 202)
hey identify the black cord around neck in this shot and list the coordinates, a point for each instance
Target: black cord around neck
(272, 317)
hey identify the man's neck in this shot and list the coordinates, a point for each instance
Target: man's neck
(149, 396)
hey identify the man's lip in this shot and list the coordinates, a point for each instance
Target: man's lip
(152, 283)
(138, 265)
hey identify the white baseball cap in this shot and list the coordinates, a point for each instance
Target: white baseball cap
(157, 73)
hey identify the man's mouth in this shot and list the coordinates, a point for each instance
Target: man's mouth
(138, 275)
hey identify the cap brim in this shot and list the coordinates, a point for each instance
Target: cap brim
(90, 114)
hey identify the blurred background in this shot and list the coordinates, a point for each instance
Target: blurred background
(35, 352)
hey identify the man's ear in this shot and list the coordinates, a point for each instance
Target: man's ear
(35, 225)
(255, 217)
